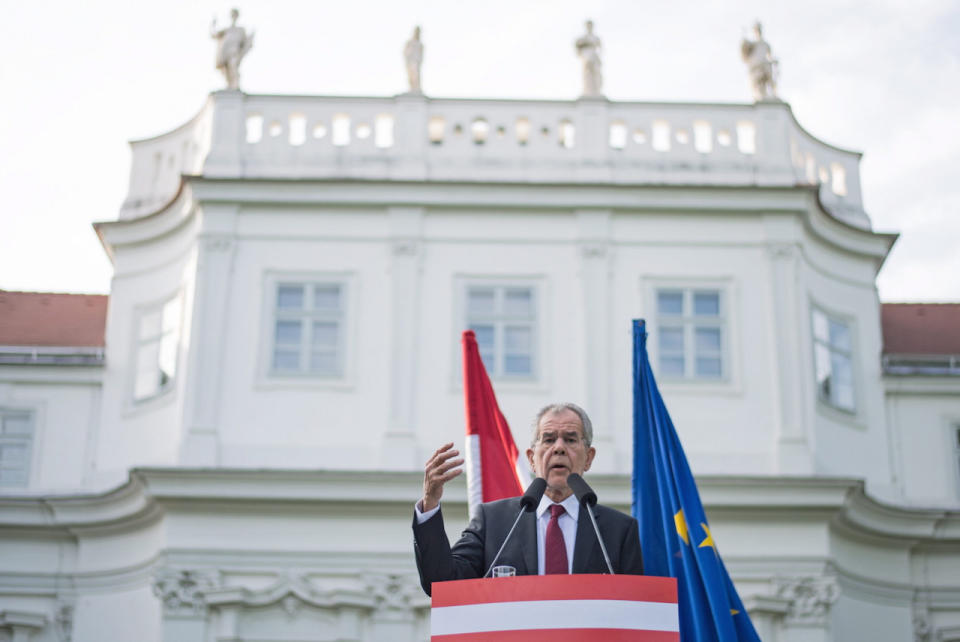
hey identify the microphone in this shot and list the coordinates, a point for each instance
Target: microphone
(588, 499)
(581, 489)
(528, 503)
(534, 493)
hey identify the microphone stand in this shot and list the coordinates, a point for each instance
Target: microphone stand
(506, 539)
(603, 549)
(587, 499)
(528, 502)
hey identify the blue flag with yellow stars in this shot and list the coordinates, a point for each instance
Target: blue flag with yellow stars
(674, 532)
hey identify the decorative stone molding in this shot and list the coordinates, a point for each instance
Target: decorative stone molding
(291, 592)
(406, 247)
(593, 250)
(394, 591)
(946, 634)
(181, 591)
(781, 250)
(810, 598)
(921, 624)
(291, 605)
(218, 243)
(22, 623)
(63, 620)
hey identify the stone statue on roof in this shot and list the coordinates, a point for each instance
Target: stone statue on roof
(233, 43)
(761, 65)
(413, 57)
(588, 48)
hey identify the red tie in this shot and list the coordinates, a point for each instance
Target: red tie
(555, 553)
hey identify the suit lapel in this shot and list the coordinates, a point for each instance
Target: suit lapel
(586, 548)
(527, 535)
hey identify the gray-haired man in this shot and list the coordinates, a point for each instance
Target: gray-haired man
(561, 445)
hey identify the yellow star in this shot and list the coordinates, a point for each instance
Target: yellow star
(734, 611)
(681, 523)
(709, 540)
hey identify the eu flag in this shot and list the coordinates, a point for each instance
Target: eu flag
(674, 532)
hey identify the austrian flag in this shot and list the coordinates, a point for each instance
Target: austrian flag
(495, 468)
(556, 608)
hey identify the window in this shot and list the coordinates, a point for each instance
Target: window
(746, 137)
(16, 441)
(690, 340)
(158, 337)
(833, 360)
(504, 320)
(308, 327)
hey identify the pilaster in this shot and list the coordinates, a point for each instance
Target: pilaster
(399, 442)
(794, 451)
(595, 276)
(209, 332)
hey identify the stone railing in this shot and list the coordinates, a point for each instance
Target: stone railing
(412, 137)
(159, 162)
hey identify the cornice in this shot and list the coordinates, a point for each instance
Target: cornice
(126, 507)
(279, 485)
(85, 375)
(148, 492)
(676, 199)
(165, 221)
(843, 235)
(921, 385)
(564, 196)
(865, 515)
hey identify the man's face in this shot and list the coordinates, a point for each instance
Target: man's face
(560, 449)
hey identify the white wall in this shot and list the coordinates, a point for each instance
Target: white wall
(924, 414)
(304, 423)
(849, 444)
(131, 614)
(147, 432)
(64, 404)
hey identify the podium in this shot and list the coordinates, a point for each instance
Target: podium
(558, 608)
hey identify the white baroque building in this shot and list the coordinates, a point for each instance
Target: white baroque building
(230, 449)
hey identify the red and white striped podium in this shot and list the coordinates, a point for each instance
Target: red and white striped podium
(558, 608)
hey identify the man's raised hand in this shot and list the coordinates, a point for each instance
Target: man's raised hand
(439, 469)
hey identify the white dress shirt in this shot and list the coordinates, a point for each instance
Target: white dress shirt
(567, 523)
(421, 516)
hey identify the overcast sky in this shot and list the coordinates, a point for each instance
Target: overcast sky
(81, 79)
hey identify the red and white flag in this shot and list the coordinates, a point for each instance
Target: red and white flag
(556, 608)
(495, 467)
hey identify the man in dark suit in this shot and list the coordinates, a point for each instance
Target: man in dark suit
(560, 446)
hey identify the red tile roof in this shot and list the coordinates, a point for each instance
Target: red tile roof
(921, 328)
(46, 319)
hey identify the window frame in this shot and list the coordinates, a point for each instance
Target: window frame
(849, 322)
(308, 316)
(140, 313)
(540, 357)
(689, 323)
(729, 287)
(500, 319)
(30, 439)
(269, 377)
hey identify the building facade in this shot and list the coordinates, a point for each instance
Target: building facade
(236, 457)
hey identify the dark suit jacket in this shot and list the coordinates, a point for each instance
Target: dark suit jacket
(470, 557)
